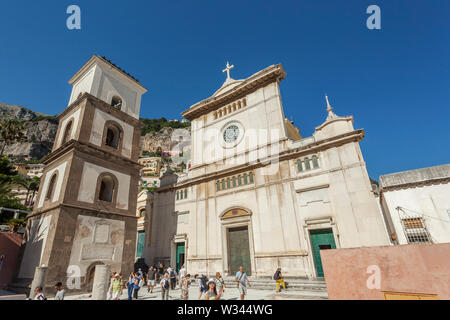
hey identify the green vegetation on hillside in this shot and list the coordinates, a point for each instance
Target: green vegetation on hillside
(154, 125)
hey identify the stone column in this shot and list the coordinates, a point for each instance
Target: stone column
(40, 277)
(101, 282)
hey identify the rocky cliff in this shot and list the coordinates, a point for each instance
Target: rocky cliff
(40, 132)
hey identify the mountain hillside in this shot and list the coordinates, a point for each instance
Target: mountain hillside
(40, 132)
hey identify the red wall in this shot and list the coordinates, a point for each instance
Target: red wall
(418, 268)
(9, 248)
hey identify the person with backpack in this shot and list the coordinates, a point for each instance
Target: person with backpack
(39, 294)
(165, 287)
(279, 280)
(173, 278)
(202, 281)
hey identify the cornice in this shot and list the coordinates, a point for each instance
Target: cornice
(314, 147)
(256, 81)
(415, 184)
(108, 66)
(103, 106)
(88, 148)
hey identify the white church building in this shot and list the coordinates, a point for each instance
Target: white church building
(260, 195)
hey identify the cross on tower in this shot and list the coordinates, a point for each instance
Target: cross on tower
(227, 70)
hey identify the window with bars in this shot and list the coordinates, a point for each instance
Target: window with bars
(416, 230)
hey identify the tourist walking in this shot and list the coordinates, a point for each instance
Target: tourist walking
(211, 293)
(278, 277)
(109, 294)
(59, 291)
(173, 277)
(184, 286)
(182, 274)
(242, 282)
(165, 287)
(202, 284)
(117, 287)
(39, 294)
(151, 278)
(160, 272)
(220, 284)
(130, 286)
(136, 285)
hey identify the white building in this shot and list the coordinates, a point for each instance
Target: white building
(416, 205)
(257, 193)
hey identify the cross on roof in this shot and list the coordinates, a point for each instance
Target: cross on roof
(227, 70)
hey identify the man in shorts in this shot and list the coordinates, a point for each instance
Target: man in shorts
(242, 280)
(151, 278)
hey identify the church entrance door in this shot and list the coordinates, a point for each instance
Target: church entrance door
(180, 255)
(239, 250)
(321, 239)
(140, 244)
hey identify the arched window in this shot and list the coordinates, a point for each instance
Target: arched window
(51, 187)
(67, 132)
(250, 175)
(142, 213)
(178, 195)
(223, 184)
(239, 180)
(228, 183)
(245, 178)
(234, 181)
(307, 164)
(181, 194)
(107, 187)
(116, 102)
(185, 193)
(112, 136)
(315, 162)
(218, 185)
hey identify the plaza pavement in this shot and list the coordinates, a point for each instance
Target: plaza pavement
(230, 294)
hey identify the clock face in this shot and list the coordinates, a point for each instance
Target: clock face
(231, 133)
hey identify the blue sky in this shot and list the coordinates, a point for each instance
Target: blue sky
(394, 81)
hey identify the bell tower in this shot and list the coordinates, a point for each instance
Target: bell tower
(85, 212)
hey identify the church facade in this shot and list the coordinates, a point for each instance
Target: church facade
(85, 212)
(260, 195)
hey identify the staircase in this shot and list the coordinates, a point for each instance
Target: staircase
(296, 287)
(20, 286)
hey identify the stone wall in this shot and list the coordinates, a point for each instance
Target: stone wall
(351, 274)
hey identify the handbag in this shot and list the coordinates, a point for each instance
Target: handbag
(237, 285)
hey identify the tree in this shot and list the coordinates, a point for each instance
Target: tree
(29, 184)
(10, 131)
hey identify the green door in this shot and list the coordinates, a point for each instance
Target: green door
(140, 244)
(180, 255)
(321, 239)
(239, 250)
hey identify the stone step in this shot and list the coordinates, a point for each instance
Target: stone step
(20, 286)
(304, 285)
